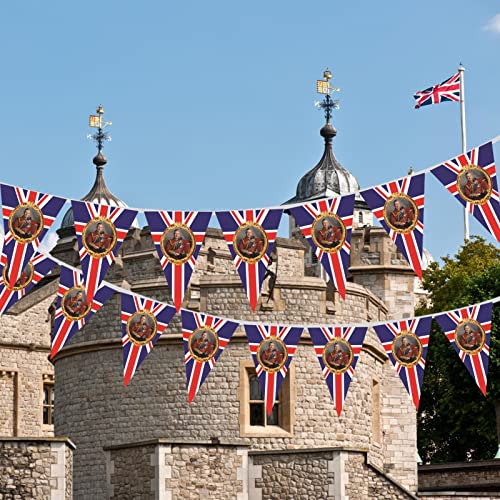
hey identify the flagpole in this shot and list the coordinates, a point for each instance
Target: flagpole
(461, 70)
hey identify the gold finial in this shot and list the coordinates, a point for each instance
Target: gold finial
(100, 110)
(327, 74)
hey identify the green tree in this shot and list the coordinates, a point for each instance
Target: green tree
(455, 421)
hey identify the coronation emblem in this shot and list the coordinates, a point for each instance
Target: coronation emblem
(328, 232)
(272, 354)
(178, 243)
(74, 303)
(470, 336)
(250, 242)
(141, 327)
(338, 355)
(26, 222)
(24, 280)
(401, 213)
(203, 344)
(474, 184)
(407, 349)
(99, 237)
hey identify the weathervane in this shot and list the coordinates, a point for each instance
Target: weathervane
(95, 121)
(323, 87)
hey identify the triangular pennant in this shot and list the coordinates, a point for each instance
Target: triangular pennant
(338, 349)
(143, 321)
(405, 342)
(205, 337)
(36, 269)
(27, 216)
(73, 308)
(178, 237)
(471, 178)
(327, 226)
(272, 348)
(399, 207)
(100, 231)
(250, 236)
(468, 329)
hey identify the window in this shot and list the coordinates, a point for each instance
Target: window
(254, 421)
(360, 217)
(48, 404)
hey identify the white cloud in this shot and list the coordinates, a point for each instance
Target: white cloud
(49, 242)
(493, 24)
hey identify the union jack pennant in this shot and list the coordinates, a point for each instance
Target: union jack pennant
(399, 207)
(327, 226)
(471, 178)
(27, 216)
(205, 337)
(449, 90)
(338, 349)
(178, 237)
(143, 321)
(272, 348)
(250, 236)
(100, 231)
(73, 308)
(468, 329)
(405, 342)
(37, 268)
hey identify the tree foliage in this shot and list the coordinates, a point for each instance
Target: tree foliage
(455, 421)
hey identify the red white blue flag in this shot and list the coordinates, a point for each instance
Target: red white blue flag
(272, 348)
(143, 321)
(405, 342)
(73, 308)
(471, 178)
(399, 207)
(327, 226)
(27, 216)
(250, 236)
(449, 90)
(178, 237)
(468, 329)
(205, 337)
(36, 269)
(338, 349)
(100, 231)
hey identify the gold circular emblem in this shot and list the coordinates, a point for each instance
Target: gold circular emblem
(26, 222)
(407, 349)
(401, 213)
(338, 355)
(179, 247)
(474, 184)
(328, 232)
(203, 344)
(141, 327)
(272, 354)
(250, 242)
(74, 303)
(24, 280)
(99, 237)
(470, 336)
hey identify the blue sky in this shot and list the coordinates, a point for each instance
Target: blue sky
(212, 102)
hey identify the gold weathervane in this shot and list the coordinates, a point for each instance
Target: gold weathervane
(96, 121)
(323, 87)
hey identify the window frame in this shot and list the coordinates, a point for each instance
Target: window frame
(48, 382)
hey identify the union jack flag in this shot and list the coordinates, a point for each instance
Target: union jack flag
(37, 268)
(100, 231)
(332, 251)
(27, 216)
(272, 362)
(178, 254)
(405, 342)
(250, 236)
(143, 321)
(205, 337)
(468, 329)
(399, 207)
(338, 349)
(449, 90)
(471, 178)
(73, 307)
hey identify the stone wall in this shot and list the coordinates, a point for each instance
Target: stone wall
(35, 468)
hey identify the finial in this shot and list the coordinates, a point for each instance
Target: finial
(95, 121)
(323, 87)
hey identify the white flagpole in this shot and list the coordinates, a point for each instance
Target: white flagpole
(461, 70)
